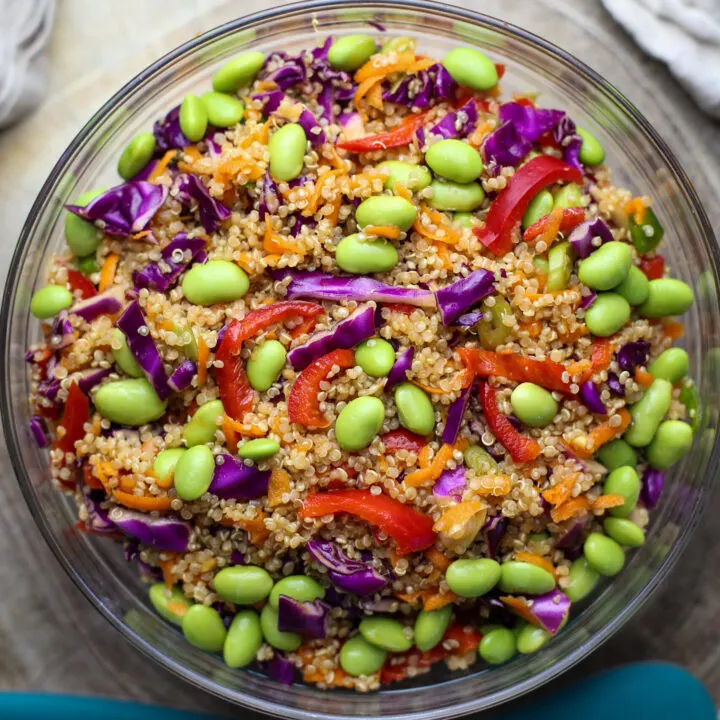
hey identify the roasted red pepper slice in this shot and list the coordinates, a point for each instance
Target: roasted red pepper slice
(303, 404)
(401, 135)
(653, 267)
(510, 204)
(521, 448)
(571, 217)
(402, 440)
(75, 414)
(401, 308)
(411, 530)
(81, 284)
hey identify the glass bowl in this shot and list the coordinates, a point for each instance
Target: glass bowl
(640, 160)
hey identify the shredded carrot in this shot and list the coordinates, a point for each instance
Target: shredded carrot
(278, 485)
(444, 255)
(203, 352)
(386, 231)
(537, 560)
(362, 90)
(520, 607)
(574, 335)
(424, 456)
(162, 166)
(276, 244)
(378, 67)
(402, 191)
(104, 471)
(561, 492)
(643, 378)
(177, 608)
(438, 560)
(433, 471)
(167, 566)
(605, 502)
(550, 233)
(434, 600)
(245, 262)
(107, 273)
(303, 328)
(145, 503)
(409, 598)
(374, 97)
(673, 329)
(636, 207)
(242, 428)
(570, 509)
(533, 329)
(314, 201)
(192, 152)
(231, 435)
(602, 352)
(462, 522)
(167, 482)
(585, 445)
(432, 390)
(127, 483)
(494, 485)
(443, 232)
(255, 528)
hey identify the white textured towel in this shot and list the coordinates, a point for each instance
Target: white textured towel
(684, 34)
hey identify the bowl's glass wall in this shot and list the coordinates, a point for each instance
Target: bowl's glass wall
(640, 161)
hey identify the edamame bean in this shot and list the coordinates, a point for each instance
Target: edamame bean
(87, 265)
(351, 52)
(666, 297)
(450, 196)
(672, 365)
(582, 580)
(243, 584)
(415, 409)
(375, 356)
(615, 454)
(477, 458)
(541, 265)
(607, 267)
(672, 440)
(430, 626)
(187, 337)
(136, 155)
(193, 118)
(464, 219)
(265, 364)
(129, 402)
(285, 641)
(386, 210)
(471, 68)
(624, 531)
(48, 301)
(623, 481)
(287, 152)
(455, 160)
(222, 110)
(237, 73)
(498, 646)
(492, 329)
(203, 627)
(648, 413)
(259, 449)
(560, 265)
(359, 422)
(202, 426)
(607, 314)
(472, 577)
(165, 462)
(568, 196)
(540, 206)
(603, 554)
(533, 405)
(297, 587)
(530, 639)
(413, 177)
(82, 237)
(194, 472)
(635, 287)
(360, 256)
(525, 579)
(170, 604)
(386, 633)
(124, 359)
(359, 657)
(591, 151)
(216, 281)
(243, 640)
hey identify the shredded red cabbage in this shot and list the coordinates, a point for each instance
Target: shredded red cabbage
(614, 385)
(168, 135)
(530, 122)
(505, 146)
(582, 236)
(550, 610)
(98, 519)
(423, 89)
(211, 212)
(633, 354)
(565, 134)
(398, 372)
(307, 618)
(588, 300)
(572, 541)
(90, 378)
(493, 532)
(234, 480)
(457, 124)
(451, 483)
(469, 319)
(182, 375)
(61, 334)
(109, 302)
(355, 576)
(590, 396)
(652, 487)
(38, 428)
(455, 416)
(280, 669)
(163, 533)
(178, 255)
(454, 299)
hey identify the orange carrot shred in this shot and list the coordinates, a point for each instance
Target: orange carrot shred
(386, 231)
(673, 329)
(203, 352)
(434, 600)
(107, 273)
(605, 502)
(402, 191)
(424, 456)
(537, 560)
(162, 165)
(166, 566)
(571, 508)
(550, 233)
(643, 378)
(585, 445)
(409, 598)
(520, 608)
(433, 471)
(439, 561)
(561, 492)
(278, 485)
(144, 503)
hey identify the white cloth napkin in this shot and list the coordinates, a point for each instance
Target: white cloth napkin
(684, 34)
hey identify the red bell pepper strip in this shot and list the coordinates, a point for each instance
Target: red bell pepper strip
(75, 414)
(602, 352)
(521, 448)
(235, 390)
(411, 530)
(401, 135)
(303, 403)
(571, 217)
(81, 284)
(509, 206)
(653, 267)
(402, 440)
(400, 308)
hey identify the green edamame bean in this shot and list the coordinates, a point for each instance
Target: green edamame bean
(287, 152)
(648, 413)
(672, 365)
(430, 626)
(603, 554)
(582, 580)
(666, 297)
(265, 364)
(455, 160)
(243, 640)
(624, 531)
(216, 281)
(194, 472)
(533, 405)
(541, 265)
(189, 346)
(450, 196)
(359, 657)
(124, 359)
(671, 442)
(87, 265)
(386, 633)
(399, 45)
(82, 237)
(415, 409)
(530, 639)
(165, 462)
(285, 641)
(136, 155)
(492, 330)
(351, 52)
(607, 314)
(615, 454)
(413, 177)
(607, 267)
(525, 579)
(129, 402)
(591, 151)
(202, 426)
(386, 210)
(464, 219)
(243, 584)
(203, 627)
(297, 587)
(623, 481)
(635, 287)
(237, 73)
(540, 206)
(473, 577)
(161, 598)
(359, 422)
(568, 196)
(359, 255)
(375, 356)
(48, 301)
(560, 265)
(222, 110)
(498, 646)
(259, 449)
(193, 118)
(478, 459)
(471, 68)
